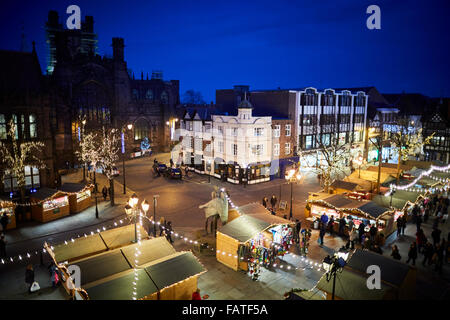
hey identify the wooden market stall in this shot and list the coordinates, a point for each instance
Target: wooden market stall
(341, 206)
(254, 227)
(80, 196)
(49, 204)
(401, 200)
(8, 208)
(162, 273)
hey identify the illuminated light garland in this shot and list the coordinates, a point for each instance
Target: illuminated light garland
(425, 173)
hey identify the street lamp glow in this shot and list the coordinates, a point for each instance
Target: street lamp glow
(145, 206)
(130, 126)
(133, 200)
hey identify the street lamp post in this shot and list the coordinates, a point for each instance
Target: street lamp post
(129, 126)
(132, 208)
(333, 265)
(154, 214)
(291, 178)
(95, 193)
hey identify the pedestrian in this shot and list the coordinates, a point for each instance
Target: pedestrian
(412, 253)
(399, 226)
(427, 253)
(29, 277)
(2, 246)
(169, 231)
(421, 240)
(438, 258)
(186, 171)
(418, 221)
(324, 218)
(426, 214)
(376, 248)
(196, 295)
(436, 235)
(162, 225)
(104, 193)
(321, 234)
(350, 224)
(403, 224)
(395, 253)
(352, 237)
(171, 163)
(331, 226)
(361, 232)
(273, 201)
(298, 227)
(373, 232)
(264, 202)
(4, 220)
(53, 274)
(342, 224)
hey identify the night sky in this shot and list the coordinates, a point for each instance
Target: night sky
(211, 45)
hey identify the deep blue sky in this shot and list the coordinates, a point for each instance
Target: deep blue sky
(211, 45)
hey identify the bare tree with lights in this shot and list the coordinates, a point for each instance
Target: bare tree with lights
(109, 147)
(407, 141)
(17, 155)
(335, 157)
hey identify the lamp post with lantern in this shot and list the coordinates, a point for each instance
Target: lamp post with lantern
(132, 208)
(292, 177)
(333, 265)
(129, 127)
(359, 160)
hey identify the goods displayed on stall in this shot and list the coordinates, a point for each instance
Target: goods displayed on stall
(8, 207)
(79, 196)
(110, 268)
(49, 204)
(253, 240)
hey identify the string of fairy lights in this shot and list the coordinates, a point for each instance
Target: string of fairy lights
(136, 259)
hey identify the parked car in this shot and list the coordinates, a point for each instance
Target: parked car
(160, 168)
(174, 173)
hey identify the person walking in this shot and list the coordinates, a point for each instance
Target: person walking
(421, 240)
(273, 201)
(162, 225)
(4, 220)
(29, 276)
(352, 237)
(169, 232)
(373, 232)
(350, 224)
(331, 226)
(104, 193)
(361, 232)
(412, 253)
(186, 171)
(418, 221)
(399, 226)
(298, 228)
(436, 235)
(264, 202)
(403, 224)
(395, 253)
(427, 253)
(2, 246)
(321, 233)
(53, 274)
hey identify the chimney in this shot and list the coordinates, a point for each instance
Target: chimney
(88, 25)
(117, 44)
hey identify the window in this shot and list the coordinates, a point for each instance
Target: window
(135, 94)
(140, 129)
(32, 180)
(234, 132)
(220, 145)
(220, 130)
(326, 139)
(3, 128)
(288, 130)
(234, 147)
(308, 142)
(259, 132)
(33, 129)
(276, 149)
(287, 148)
(257, 149)
(149, 95)
(276, 131)
(164, 97)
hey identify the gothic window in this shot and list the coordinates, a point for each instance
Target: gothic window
(149, 95)
(141, 129)
(33, 129)
(164, 97)
(135, 94)
(3, 128)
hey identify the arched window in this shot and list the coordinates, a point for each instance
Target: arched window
(141, 129)
(33, 126)
(149, 95)
(135, 94)
(3, 128)
(164, 97)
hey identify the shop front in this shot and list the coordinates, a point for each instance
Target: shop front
(258, 172)
(220, 169)
(79, 196)
(199, 164)
(49, 204)
(234, 173)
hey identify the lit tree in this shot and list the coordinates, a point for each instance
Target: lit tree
(18, 155)
(334, 162)
(88, 152)
(407, 141)
(145, 145)
(109, 147)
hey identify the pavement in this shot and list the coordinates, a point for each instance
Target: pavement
(178, 202)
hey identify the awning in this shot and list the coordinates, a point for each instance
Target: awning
(151, 250)
(80, 248)
(72, 187)
(43, 193)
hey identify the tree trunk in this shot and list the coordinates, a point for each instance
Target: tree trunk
(111, 192)
(84, 172)
(398, 165)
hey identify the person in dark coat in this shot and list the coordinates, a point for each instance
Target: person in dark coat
(29, 277)
(361, 232)
(373, 232)
(418, 221)
(412, 253)
(264, 202)
(436, 235)
(342, 225)
(2, 246)
(403, 224)
(331, 226)
(298, 227)
(4, 221)
(395, 253)
(169, 231)
(428, 252)
(399, 226)
(273, 201)
(105, 192)
(321, 233)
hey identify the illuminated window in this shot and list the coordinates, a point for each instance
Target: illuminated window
(140, 129)
(33, 128)
(3, 128)
(276, 149)
(288, 130)
(276, 131)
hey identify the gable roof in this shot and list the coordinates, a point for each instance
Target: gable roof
(344, 185)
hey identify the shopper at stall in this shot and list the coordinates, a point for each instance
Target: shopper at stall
(331, 225)
(395, 253)
(412, 253)
(361, 232)
(373, 232)
(342, 224)
(324, 218)
(273, 201)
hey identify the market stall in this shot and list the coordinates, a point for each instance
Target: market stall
(254, 238)
(8, 207)
(79, 196)
(49, 204)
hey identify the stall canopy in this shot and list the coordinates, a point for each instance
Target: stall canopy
(397, 279)
(345, 185)
(172, 269)
(72, 187)
(399, 199)
(255, 218)
(154, 249)
(44, 193)
(87, 246)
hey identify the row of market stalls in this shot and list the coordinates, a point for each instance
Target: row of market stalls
(109, 269)
(253, 238)
(340, 206)
(50, 204)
